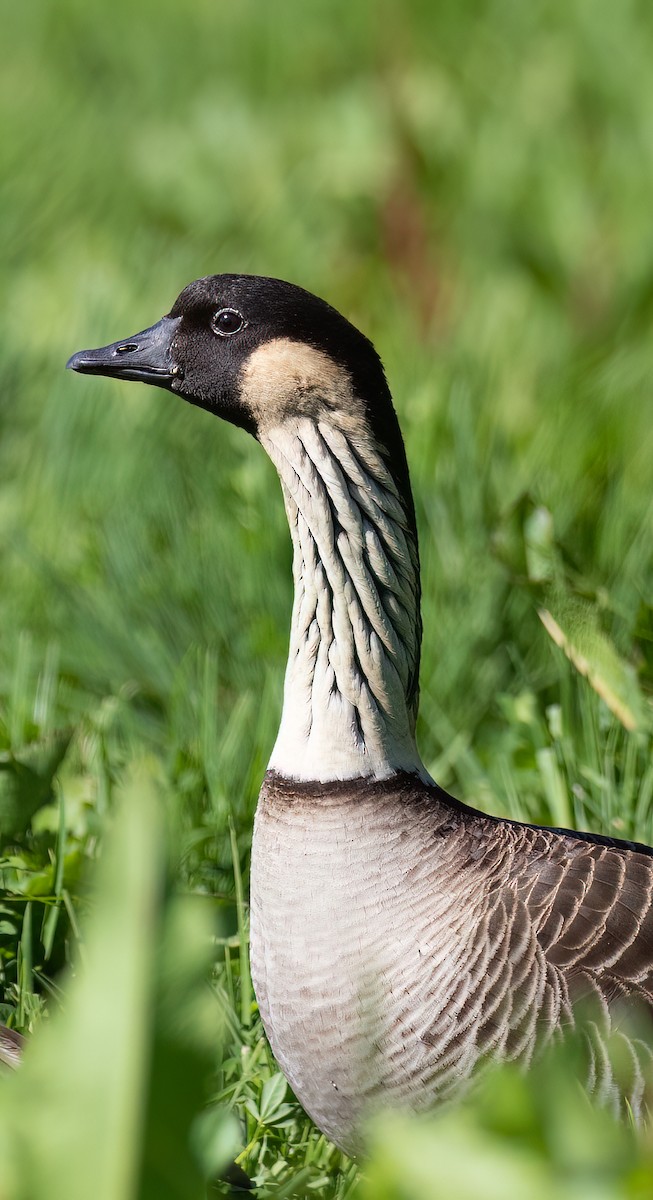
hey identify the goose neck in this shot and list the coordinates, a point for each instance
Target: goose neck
(351, 687)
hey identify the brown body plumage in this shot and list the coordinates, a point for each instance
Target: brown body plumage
(421, 937)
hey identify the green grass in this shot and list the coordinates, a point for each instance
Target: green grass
(471, 184)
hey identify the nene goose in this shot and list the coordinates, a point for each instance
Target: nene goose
(398, 937)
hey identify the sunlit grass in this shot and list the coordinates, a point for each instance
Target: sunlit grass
(471, 185)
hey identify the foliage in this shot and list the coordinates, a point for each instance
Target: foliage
(107, 1098)
(471, 184)
(535, 1136)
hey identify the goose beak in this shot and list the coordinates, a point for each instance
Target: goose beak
(146, 356)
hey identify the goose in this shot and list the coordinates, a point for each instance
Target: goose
(11, 1047)
(399, 938)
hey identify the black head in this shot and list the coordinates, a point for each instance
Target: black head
(255, 351)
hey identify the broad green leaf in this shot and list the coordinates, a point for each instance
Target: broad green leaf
(110, 1086)
(272, 1096)
(77, 1103)
(440, 1160)
(573, 625)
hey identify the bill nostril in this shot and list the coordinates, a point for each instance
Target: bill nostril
(126, 348)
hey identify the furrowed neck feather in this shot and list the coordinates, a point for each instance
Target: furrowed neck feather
(351, 689)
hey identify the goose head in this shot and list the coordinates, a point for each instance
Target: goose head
(288, 368)
(256, 351)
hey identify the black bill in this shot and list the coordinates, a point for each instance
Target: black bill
(146, 356)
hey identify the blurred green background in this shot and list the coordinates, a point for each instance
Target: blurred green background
(471, 184)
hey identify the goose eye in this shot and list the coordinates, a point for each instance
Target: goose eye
(227, 321)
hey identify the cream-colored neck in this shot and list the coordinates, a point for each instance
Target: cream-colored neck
(351, 686)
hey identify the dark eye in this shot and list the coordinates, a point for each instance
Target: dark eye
(227, 321)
